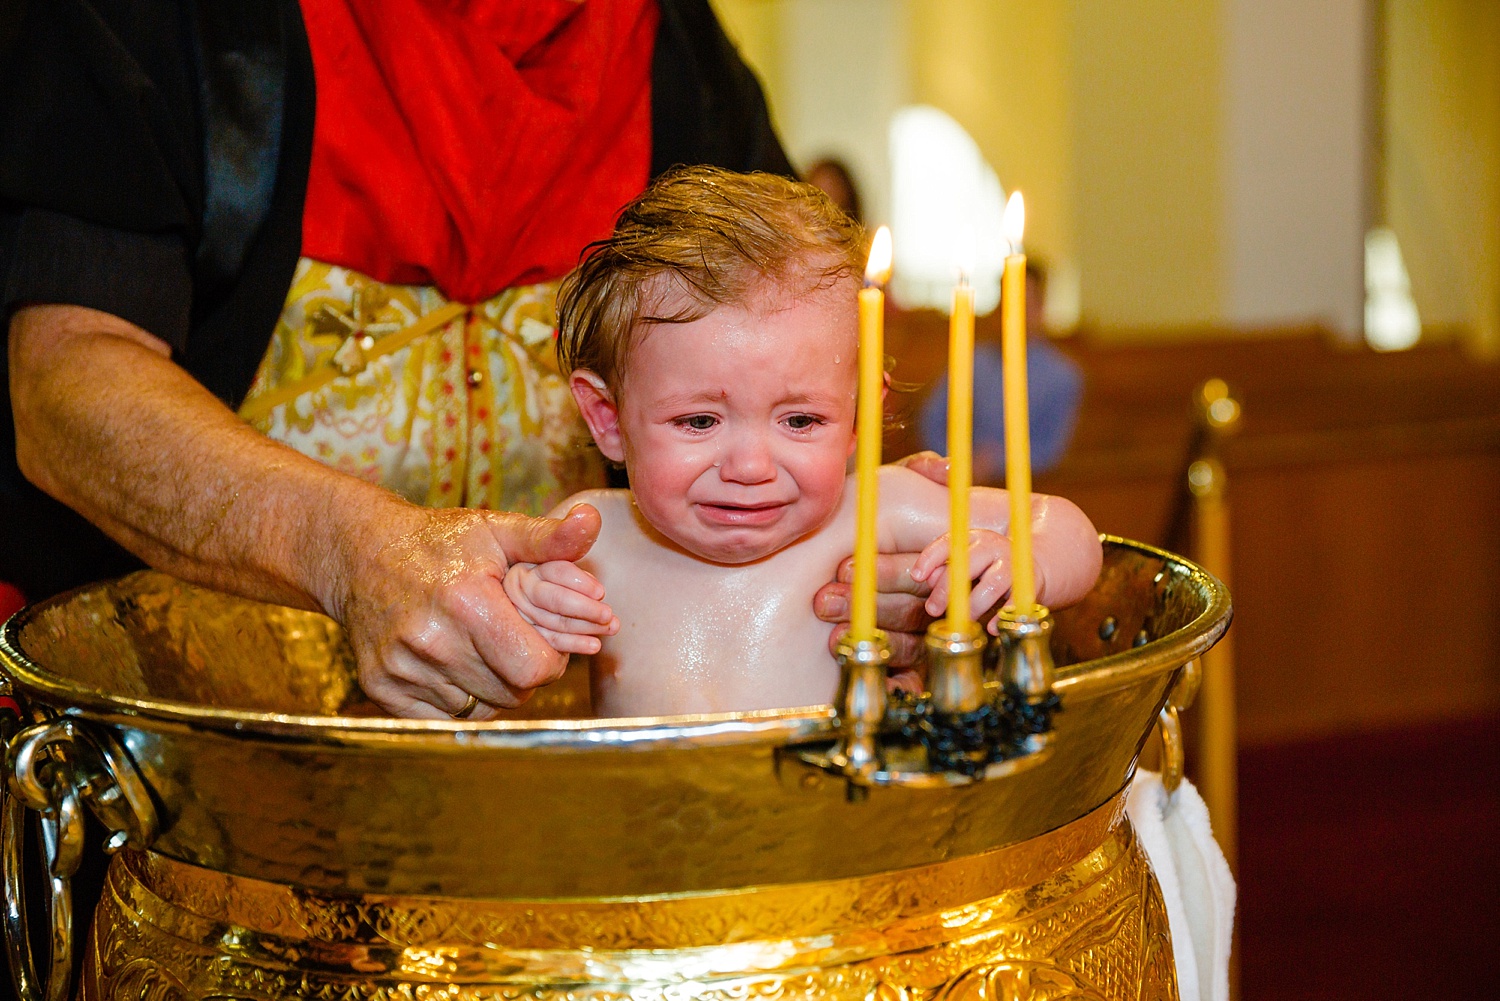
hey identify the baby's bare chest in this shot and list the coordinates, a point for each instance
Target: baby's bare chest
(709, 639)
(719, 619)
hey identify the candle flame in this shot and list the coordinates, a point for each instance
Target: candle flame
(1014, 222)
(878, 269)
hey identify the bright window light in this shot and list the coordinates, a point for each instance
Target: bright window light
(946, 207)
(1391, 321)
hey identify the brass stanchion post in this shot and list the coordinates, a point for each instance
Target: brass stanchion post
(1218, 750)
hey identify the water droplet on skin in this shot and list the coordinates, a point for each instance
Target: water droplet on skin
(837, 359)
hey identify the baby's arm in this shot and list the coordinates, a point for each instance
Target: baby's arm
(563, 601)
(1068, 556)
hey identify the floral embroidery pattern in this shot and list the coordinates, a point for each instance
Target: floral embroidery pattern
(473, 413)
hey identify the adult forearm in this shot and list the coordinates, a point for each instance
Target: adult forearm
(110, 426)
(106, 423)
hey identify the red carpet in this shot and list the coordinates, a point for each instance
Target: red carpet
(11, 601)
(1367, 866)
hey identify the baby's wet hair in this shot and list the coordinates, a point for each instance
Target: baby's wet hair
(698, 238)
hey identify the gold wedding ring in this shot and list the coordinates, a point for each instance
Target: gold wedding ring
(467, 709)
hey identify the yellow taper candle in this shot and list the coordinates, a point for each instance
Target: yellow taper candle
(868, 428)
(960, 451)
(1017, 410)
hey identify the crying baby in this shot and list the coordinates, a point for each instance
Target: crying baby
(710, 343)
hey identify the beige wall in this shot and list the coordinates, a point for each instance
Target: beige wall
(1147, 140)
(1001, 68)
(1442, 159)
(754, 26)
(1296, 130)
(834, 71)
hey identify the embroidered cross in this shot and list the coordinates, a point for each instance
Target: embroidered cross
(359, 334)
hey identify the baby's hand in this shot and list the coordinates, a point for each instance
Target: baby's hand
(564, 603)
(989, 567)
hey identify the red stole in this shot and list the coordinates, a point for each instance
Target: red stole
(474, 144)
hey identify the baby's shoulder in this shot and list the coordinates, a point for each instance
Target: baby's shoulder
(624, 538)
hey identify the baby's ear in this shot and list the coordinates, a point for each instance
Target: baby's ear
(600, 413)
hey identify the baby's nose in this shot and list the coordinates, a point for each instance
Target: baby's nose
(748, 459)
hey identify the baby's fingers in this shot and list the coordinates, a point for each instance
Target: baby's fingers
(931, 558)
(562, 600)
(565, 642)
(558, 607)
(571, 576)
(989, 557)
(937, 601)
(989, 566)
(992, 588)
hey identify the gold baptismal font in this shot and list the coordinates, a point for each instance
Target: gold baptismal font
(272, 839)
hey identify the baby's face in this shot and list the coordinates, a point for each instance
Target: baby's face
(736, 428)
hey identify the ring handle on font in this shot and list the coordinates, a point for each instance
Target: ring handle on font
(53, 768)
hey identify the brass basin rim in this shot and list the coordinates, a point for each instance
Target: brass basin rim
(1102, 675)
(772, 727)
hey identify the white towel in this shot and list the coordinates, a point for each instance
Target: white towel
(1195, 882)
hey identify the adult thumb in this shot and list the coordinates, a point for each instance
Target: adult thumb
(541, 540)
(929, 464)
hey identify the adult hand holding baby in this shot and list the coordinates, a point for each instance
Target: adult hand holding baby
(901, 602)
(427, 613)
(205, 497)
(562, 600)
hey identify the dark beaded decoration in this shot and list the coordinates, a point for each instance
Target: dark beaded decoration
(967, 743)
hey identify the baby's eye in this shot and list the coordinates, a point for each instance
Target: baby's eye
(697, 422)
(802, 422)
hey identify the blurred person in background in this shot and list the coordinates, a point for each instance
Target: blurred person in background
(1055, 390)
(832, 177)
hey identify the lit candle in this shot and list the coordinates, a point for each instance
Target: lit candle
(1017, 410)
(868, 433)
(960, 451)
